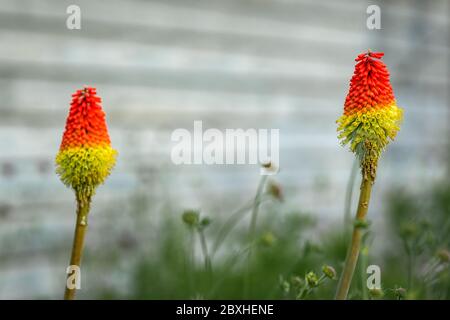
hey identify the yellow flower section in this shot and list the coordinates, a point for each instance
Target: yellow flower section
(376, 125)
(84, 168)
(370, 131)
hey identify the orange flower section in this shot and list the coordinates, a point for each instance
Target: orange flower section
(370, 87)
(85, 125)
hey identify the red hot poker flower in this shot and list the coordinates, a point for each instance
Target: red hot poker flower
(85, 157)
(371, 116)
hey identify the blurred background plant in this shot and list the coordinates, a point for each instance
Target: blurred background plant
(289, 250)
(420, 224)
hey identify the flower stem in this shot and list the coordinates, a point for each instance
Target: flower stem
(208, 267)
(353, 252)
(231, 222)
(83, 206)
(364, 264)
(255, 209)
(348, 200)
(190, 265)
(252, 231)
(410, 253)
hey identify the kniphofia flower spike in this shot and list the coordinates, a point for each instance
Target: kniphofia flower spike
(84, 160)
(85, 157)
(371, 116)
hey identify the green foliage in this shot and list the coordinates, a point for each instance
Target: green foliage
(293, 256)
(420, 226)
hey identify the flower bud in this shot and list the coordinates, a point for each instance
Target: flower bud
(443, 255)
(206, 221)
(312, 279)
(329, 271)
(376, 293)
(400, 293)
(268, 239)
(409, 229)
(274, 189)
(191, 217)
(268, 168)
(296, 281)
(284, 285)
(266, 165)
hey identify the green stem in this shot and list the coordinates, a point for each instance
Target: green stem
(252, 230)
(228, 265)
(410, 268)
(83, 206)
(353, 252)
(190, 257)
(430, 269)
(302, 293)
(204, 245)
(349, 197)
(364, 263)
(409, 253)
(255, 209)
(231, 223)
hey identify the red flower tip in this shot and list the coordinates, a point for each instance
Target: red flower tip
(369, 54)
(370, 87)
(86, 125)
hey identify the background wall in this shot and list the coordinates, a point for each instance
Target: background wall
(160, 65)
